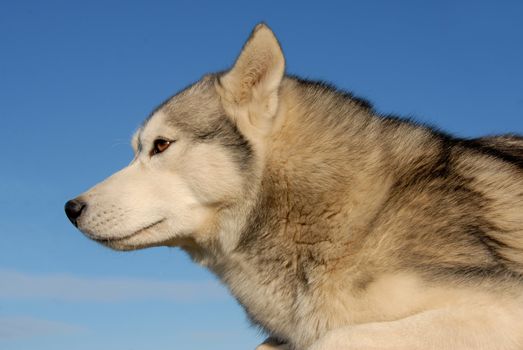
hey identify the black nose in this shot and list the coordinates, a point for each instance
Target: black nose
(73, 209)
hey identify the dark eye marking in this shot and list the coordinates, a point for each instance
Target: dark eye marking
(160, 145)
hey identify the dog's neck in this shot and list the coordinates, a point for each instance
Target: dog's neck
(313, 210)
(309, 216)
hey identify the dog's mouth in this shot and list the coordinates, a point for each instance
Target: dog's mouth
(109, 240)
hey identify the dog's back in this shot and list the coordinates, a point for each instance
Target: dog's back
(508, 147)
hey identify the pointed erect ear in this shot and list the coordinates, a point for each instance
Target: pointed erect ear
(252, 83)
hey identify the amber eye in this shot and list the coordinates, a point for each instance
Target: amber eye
(160, 145)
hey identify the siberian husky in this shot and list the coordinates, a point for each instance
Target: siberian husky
(335, 228)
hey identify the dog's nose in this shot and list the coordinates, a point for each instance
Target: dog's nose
(73, 209)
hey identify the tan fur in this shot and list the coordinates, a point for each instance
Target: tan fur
(334, 227)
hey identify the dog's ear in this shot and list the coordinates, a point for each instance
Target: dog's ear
(250, 89)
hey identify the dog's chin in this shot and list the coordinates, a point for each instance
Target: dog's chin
(149, 236)
(127, 246)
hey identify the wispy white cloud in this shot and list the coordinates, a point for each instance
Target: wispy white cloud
(16, 327)
(65, 287)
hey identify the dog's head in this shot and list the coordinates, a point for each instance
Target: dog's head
(197, 161)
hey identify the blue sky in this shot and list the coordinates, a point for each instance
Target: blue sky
(77, 78)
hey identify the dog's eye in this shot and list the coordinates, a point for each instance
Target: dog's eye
(160, 145)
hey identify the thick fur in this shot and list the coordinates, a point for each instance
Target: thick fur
(335, 228)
